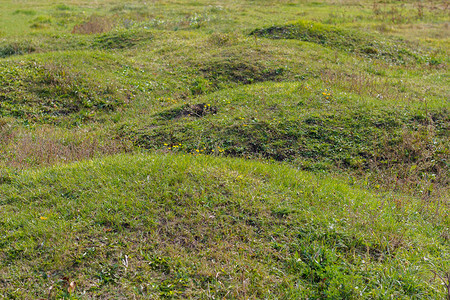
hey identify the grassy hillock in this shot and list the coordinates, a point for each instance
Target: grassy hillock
(236, 150)
(191, 226)
(352, 41)
(309, 126)
(117, 39)
(47, 92)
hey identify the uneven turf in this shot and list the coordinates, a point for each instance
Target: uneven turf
(190, 225)
(237, 150)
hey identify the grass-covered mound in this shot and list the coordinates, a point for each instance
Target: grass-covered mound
(347, 40)
(197, 226)
(39, 90)
(312, 126)
(113, 40)
(15, 48)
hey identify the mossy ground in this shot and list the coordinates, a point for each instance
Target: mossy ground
(354, 95)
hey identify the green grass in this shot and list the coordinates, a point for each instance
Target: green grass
(48, 92)
(189, 226)
(117, 39)
(314, 127)
(368, 45)
(242, 150)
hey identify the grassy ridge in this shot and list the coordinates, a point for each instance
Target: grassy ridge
(186, 226)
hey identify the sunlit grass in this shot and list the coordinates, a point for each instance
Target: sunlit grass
(341, 187)
(189, 225)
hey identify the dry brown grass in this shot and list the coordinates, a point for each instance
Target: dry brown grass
(6, 132)
(95, 24)
(417, 165)
(365, 84)
(47, 146)
(408, 11)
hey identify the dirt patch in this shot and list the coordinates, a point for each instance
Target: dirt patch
(199, 110)
(194, 110)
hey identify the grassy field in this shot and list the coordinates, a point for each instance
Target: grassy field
(224, 149)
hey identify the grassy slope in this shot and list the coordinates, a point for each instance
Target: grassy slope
(347, 91)
(162, 225)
